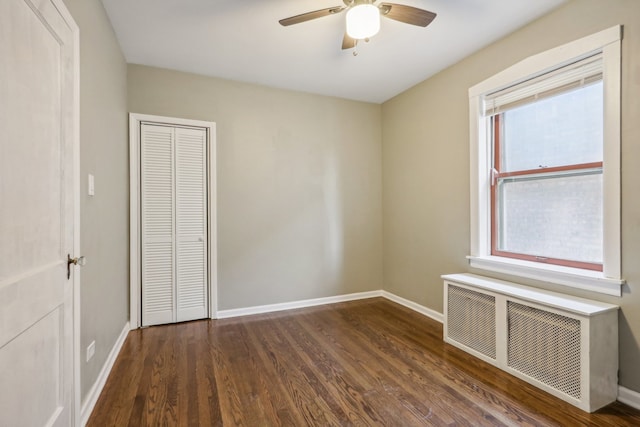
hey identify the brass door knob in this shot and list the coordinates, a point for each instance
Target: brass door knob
(75, 261)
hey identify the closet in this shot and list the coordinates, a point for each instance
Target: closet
(173, 223)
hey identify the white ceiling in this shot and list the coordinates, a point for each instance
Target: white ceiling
(242, 40)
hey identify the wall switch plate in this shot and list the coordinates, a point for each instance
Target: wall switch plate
(92, 189)
(91, 350)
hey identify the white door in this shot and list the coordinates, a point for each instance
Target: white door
(38, 121)
(173, 223)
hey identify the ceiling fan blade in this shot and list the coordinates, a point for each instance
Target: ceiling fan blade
(407, 14)
(348, 42)
(311, 15)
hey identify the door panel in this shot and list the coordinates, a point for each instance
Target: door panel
(36, 216)
(157, 195)
(30, 118)
(191, 223)
(38, 351)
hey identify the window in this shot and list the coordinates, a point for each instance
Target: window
(546, 184)
(545, 137)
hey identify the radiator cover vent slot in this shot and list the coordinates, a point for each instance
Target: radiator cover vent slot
(545, 346)
(472, 319)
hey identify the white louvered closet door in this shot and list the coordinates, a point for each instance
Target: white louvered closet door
(173, 223)
(191, 224)
(157, 206)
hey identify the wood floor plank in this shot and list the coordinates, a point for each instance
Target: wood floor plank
(205, 381)
(362, 363)
(401, 367)
(344, 388)
(351, 351)
(275, 379)
(311, 395)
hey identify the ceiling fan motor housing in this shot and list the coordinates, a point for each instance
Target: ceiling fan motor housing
(363, 21)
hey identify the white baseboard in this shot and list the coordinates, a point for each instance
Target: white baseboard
(96, 389)
(629, 397)
(260, 309)
(414, 306)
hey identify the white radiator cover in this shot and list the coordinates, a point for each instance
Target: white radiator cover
(564, 345)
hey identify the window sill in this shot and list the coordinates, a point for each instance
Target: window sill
(593, 281)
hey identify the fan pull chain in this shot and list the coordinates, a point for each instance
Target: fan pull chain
(355, 45)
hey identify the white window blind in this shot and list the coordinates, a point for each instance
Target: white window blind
(572, 76)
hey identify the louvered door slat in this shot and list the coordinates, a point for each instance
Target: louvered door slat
(191, 224)
(157, 202)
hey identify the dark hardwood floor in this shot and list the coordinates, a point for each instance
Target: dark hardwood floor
(369, 362)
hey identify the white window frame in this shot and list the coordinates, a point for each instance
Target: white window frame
(609, 281)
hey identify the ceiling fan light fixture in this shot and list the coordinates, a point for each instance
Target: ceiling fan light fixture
(363, 21)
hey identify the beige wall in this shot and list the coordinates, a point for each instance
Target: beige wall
(426, 165)
(298, 181)
(104, 217)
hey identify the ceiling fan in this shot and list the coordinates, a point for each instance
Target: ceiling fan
(363, 18)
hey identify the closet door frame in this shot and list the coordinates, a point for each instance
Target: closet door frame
(135, 122)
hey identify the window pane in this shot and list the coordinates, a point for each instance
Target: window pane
(554, 217)
(557, 131)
